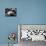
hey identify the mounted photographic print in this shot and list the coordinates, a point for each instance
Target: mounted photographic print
(32, 32)
(10, 11)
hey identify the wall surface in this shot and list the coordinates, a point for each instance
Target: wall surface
(28, 12)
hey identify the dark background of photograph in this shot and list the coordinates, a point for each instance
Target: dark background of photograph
(10, 9)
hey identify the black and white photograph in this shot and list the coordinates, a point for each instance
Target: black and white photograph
(10, 12)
